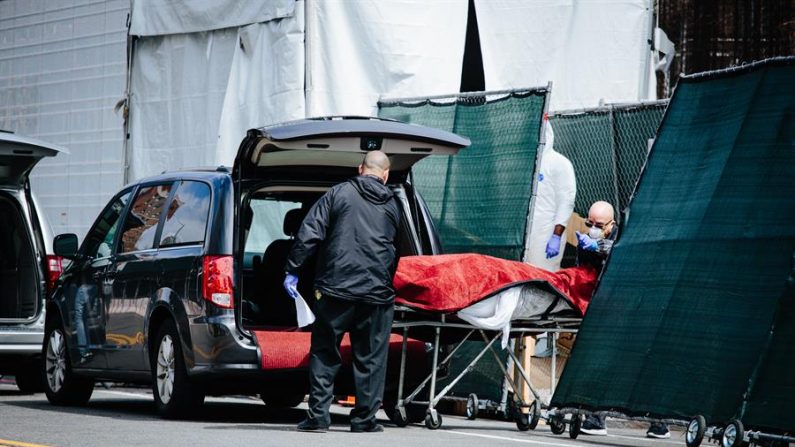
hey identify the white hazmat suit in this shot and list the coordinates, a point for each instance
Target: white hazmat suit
(554, 203)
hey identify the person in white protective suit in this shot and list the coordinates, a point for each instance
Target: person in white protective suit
(554, 204)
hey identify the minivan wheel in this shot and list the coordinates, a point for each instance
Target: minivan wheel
(175, 396)
(29, 380)
(61, 385)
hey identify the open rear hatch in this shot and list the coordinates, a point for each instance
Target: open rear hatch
(20, 265)
(18, 155)
(332, 148)
(312, 154)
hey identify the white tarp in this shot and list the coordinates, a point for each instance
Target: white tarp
(160, 17)
(266, 82)
(589, 49)
(360, 50)
(178, 83)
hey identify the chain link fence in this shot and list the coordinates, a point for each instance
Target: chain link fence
(608, 146)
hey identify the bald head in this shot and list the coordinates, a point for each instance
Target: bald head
(601, 215)
(601, 212)
(375, 163)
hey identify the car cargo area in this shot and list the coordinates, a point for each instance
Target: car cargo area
(19, 291)
(270, 217)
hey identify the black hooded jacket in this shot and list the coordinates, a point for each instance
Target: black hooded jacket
(353, 228)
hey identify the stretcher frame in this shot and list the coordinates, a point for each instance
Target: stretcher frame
(406, 318)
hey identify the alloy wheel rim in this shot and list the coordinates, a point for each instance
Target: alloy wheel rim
(692, 431)
(55, 361)
(729, 435)
(165, 369)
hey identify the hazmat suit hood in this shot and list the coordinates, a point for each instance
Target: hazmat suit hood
(549, 136)
(371, 189)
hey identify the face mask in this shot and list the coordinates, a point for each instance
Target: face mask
(595, 233)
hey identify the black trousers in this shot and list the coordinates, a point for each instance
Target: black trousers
(369, 328)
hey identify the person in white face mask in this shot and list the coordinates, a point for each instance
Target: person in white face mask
(593, 248)
(554, 204)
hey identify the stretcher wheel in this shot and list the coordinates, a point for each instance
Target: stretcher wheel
(472, 407)
(410, 413)
(522, 421)
(575, 425)
(733, 434)
(557, 425)
(535, 414)
(695, 431)
(433, 420)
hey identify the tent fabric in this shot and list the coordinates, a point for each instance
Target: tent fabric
(680, 320)
(444, 283)
(480, 198)
(178, 84)
(161, 17)
(360, 50)
(589, 50)
(266, 81)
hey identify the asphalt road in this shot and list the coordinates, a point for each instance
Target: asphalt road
(125, 417)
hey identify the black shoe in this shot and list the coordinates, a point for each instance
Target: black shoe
(312, 426)
(373, 428)
(658, 430)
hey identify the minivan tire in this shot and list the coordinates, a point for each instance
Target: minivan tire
(175, 396)
(30, 379)
(61, 385)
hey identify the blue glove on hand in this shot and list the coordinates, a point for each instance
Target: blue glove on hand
(586, 243)
(291, 285)
(553, 246)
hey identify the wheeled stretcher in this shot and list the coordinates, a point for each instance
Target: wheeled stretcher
(450, 299)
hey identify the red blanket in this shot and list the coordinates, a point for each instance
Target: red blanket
(449, 283)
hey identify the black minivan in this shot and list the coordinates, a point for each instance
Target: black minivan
(179, 281)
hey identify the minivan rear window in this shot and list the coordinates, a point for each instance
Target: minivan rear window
(141, 223)
(186, 219)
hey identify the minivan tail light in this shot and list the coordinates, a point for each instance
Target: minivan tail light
(54, 270)
(217, 281)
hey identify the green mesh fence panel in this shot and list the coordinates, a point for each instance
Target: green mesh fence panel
(607, 147)
(479, 199)
(633, 128)
(679, 323)
(586, 140)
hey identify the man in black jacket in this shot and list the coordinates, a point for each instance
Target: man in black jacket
(352, 228)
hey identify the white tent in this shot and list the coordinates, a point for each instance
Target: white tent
(203, 72)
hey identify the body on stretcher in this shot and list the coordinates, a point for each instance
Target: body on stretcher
(439, 300)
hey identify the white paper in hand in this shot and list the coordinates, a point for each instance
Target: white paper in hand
(302, 311)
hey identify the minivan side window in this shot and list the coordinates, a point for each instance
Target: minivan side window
(186, 219)
(99, 242)
(142, 219)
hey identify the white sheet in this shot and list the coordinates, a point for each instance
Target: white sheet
(160, 17)
(589, 49)
(515, 303)
(360, 50)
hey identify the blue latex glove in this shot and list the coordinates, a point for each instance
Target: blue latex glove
(291, 285)
(586, 243)
(553, 246)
